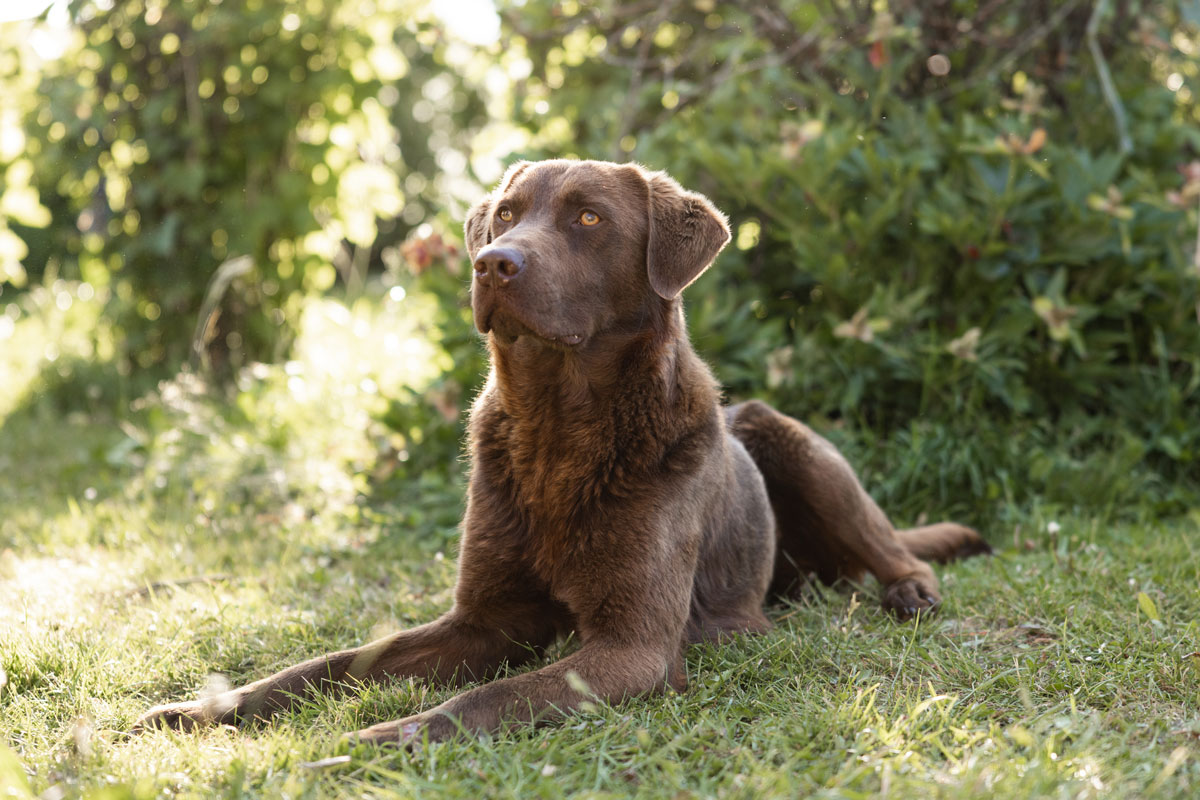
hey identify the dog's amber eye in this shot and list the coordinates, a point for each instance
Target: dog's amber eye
(589, 218)
(505, 215)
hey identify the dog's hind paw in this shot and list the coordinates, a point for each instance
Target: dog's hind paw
(909, 597)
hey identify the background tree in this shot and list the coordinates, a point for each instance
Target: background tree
(303, 135)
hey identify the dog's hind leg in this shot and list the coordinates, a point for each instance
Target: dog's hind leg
(943, 541)
(828, 524)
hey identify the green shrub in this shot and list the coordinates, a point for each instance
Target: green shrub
(956, 251)
(937, 227)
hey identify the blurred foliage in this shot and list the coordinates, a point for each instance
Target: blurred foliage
(959, 248)
(168, 137)
(20, 204)
(365, 404)
(938, 234)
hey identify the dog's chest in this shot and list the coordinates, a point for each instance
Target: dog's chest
(568, 485)
(560, 474)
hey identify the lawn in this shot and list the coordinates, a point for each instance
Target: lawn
(211, 537)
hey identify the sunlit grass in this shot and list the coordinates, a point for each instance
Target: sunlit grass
(43, 332)
(230, 535)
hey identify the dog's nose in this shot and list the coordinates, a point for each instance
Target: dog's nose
(498, 265)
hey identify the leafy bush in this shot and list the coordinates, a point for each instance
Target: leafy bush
(939, 231)
(172, 136)
(960, 248)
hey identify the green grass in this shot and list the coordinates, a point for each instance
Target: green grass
(140, 558)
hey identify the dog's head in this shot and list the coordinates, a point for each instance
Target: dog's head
(564, 251)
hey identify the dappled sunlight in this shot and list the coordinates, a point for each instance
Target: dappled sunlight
(307, 428)
(367, 349)
(44, 333)
(51, 593)
(907, 740)
(237, 352)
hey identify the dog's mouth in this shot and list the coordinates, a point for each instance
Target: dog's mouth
(507, 328)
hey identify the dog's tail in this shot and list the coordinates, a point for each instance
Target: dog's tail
(942, 542)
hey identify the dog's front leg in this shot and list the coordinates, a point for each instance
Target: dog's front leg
(602, 672)
(630, 614)
(454, 648)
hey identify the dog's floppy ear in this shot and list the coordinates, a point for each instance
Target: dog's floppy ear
(686, 234)
(477, 229)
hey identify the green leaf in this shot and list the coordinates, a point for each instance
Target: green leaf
(13, 782)
(1146, 605)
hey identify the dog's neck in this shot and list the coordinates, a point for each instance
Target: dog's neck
(572, 426)
(538, 381)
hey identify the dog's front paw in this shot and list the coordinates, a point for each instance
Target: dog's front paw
(397, 734)
(908, 597)
(225, 708)
(177, 716)
(407, 733)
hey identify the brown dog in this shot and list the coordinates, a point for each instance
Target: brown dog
(610, 494)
